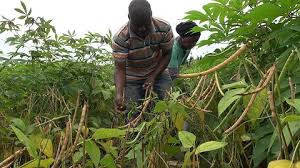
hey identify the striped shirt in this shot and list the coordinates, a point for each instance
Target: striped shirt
(142, 55)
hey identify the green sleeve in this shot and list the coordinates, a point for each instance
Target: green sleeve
(174, 62)
(185, 57)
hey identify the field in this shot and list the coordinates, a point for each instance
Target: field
(242, 102)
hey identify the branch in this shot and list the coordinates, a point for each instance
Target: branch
(16, 154)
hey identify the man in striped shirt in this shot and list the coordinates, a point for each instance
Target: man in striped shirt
(141, 50)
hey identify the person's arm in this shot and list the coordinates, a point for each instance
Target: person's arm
(185, 57)
(163, 62)
(166, 51)
(120, 79)
(120, 54)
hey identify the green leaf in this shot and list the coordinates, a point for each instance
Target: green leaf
(177, 108)
(286, 4)
(290, 118)
(45, 163)
(294, 127)
(196, 15)
(160, 106)
(295, 103)
(239, 84)
(106, 94)
(197, 29)
(31, 148)
(22, 17)
(205, 42)
(93, 152)
(19, 10)
(260, 150)
(19, 123)
(210, 146)
(187, 159)
(229, 97)
(213, 9)
(109, 148)
(223, 2)
(179, 121)
(257, 106)
(265, 11)
(106, 133)
(46, 147)
(77, 156)
(29, 13)
(187, 139)
(296, 28)
(108, 161)
(43, 144)
(24, 6)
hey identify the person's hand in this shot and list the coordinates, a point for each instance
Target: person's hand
(149, 82)
(119, 104)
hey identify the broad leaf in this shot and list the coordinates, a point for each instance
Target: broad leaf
(160, 106)
(229, 97)
(260, 150)
(77, 156)
(257, 106)
(291, 118)
(93, 152)
(19, 10)
(109, 148)
(265, 11)
(239, 84)
(105, 133)
(19, 123)
(43, 144)
(196, 15)
(187, 159)
(294, 127)
(46, 147)
(210, 146)
(24, 6)
(108, 161)
(295, 103)
(45, 163)
(179, 122)
(31, 148)
(187, 139)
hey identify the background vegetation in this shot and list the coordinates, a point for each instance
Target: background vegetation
(56, 96)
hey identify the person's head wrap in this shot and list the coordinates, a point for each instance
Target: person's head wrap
(184, 29)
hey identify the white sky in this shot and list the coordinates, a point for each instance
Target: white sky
(101, 15)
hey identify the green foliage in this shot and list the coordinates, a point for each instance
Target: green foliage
(295, 103)
(93, 152)
(108, 162)
(229, 97)
(106, 133)
(46, 163)
(291, 118)
(210, 146)
(187, 139)
(258, 105)
(46, 77)
(26, 141)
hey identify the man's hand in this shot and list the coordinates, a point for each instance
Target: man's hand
(149, 82)
(119, 103)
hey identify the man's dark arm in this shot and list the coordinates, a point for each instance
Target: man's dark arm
(120, 79)
(164, 58)
(163, 62)
(166, 51)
